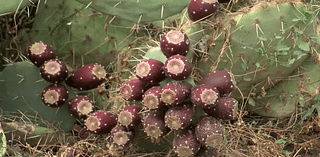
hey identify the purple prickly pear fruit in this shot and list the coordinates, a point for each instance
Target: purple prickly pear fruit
(207, 151)
(151, 98)
(174, 93)
(179, 117)
(80, 107)
(54, 95)
(154, 125)
(226, 108)
(174, 42)
(132, 90)
(223, 80)
(150, 71)
(209, 131)
(202, 9)
(121, 136)
(53, 71)
(39, 52)
(185, 143)
(129, 116)
(100, 122)
(204, 96)
(177, 67)
(87, 77)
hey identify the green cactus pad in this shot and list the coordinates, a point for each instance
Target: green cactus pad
(261, 45)
(81, 35)
(7, 7)
(21, 86)
(138, 11)
(301, 88)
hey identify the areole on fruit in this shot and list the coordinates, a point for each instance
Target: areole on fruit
(54, 95)
(100, 122)
(40, 52)
(185, 143)
(204, 96)
(150, 71)
(53, 71)
(129, 116)
(87, 77)
(80, 106)
(38, 48)
(120, 135)
(174, 42)
(177, 67)
(202, 9)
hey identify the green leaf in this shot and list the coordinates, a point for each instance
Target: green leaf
(243, 66)
(246, 78)
(156, 53)
(295, 20)
(280, 141)
(305, 46)
(251, 102)
(258, 65)
(282, 47)
(263, 38)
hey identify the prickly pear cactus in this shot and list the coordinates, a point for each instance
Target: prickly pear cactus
(21, 86)
(11, 6)
(81, 35)
(261, 45)
(138, 11)
(299, 90)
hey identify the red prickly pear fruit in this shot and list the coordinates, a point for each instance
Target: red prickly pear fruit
(100, 122)
(179, 117)
(226, 108)
(209, 131)
(204, 96)
(154, 125)
(174, 42)
(121, 136)
(174, 93)
(185, 143)
(129, 116)
(39, 52)
(150, 71)
(207, 151)
(87, 77)
(132, 90)
(177, 67)
(202, 9)
(53, 71)
(151, 98)
(223, 80)
(80, 107)
(54, 95)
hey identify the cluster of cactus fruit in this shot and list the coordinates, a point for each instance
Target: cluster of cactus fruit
(170, 101)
